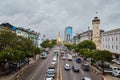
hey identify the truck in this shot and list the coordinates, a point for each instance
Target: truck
(69, 57)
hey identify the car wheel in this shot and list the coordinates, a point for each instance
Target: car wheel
(113, 74)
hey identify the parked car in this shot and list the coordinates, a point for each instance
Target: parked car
(104, 64)
(85, 67)
(117, 61)
(85, 78)
(75, 68)
(116, 71)
(67, 67)
(78, 60)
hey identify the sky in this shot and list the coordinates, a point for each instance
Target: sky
(49, 17)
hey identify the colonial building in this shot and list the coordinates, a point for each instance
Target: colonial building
(27, 33)
(87, 35)
(111, 41)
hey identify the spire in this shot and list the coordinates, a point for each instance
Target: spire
(59, 41)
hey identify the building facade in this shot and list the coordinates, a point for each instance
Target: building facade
(111, 42)
(68, 34)
(87, 35)
(20, 31)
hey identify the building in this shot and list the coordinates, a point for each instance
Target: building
(96, 33)
(111, 42)
(68, 34)
(20, 31)
(87, 35)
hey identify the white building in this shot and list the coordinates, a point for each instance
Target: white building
(111, 41)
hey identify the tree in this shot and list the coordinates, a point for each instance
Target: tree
(87, 44)
(45, 43)
(13, 48)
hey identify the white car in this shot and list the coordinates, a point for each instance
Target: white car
(85, 78)
(53, 62)
(67, 67)
(49, 78)
(116, 71)
(64, 58)
(116, 61)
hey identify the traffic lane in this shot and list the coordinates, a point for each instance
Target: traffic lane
(85, 73)
(39, 68)
(67, 75)
(70, 75)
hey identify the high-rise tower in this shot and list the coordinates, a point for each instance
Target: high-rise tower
(68, 34)
(96, 32)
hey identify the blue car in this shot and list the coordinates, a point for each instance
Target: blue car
(78, 60)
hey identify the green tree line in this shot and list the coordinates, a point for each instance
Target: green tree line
(14, 48)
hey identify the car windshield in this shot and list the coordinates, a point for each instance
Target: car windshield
(51, 72)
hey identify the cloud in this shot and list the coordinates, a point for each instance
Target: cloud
(52, 16)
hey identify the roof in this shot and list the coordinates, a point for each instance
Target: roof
(111, 31)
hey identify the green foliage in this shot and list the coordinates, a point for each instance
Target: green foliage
(15, 48)
(87, 44)
(48, 43)
(103, 56)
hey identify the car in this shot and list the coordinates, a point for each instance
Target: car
(43, 55)
(104, 64)
(85, 78)
(117, 61)
(64, 58)
(67, 67)
(75, 68)
(49, 78)
(51, 73)
(85, 67)
(53, 62)
(73, 55)
(78, 60)
(116, 71)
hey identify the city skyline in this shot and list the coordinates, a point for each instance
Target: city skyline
(45, 16)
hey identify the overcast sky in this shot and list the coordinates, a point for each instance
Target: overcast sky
(52, 16)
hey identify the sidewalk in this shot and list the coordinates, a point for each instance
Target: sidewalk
(23, 69)
(109, 77)
(99, 73)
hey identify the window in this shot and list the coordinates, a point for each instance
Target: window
(112, 38)
(116, 38)
(112, 46)
(116, 46)
(106, 39)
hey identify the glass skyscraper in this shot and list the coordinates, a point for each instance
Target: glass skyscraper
(68, 34)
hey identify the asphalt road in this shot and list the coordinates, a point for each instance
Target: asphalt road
(38, 70)
(70, 75)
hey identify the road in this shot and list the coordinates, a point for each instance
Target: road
(70, 75)
(38, 70)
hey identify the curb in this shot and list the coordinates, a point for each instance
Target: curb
(24, 70)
